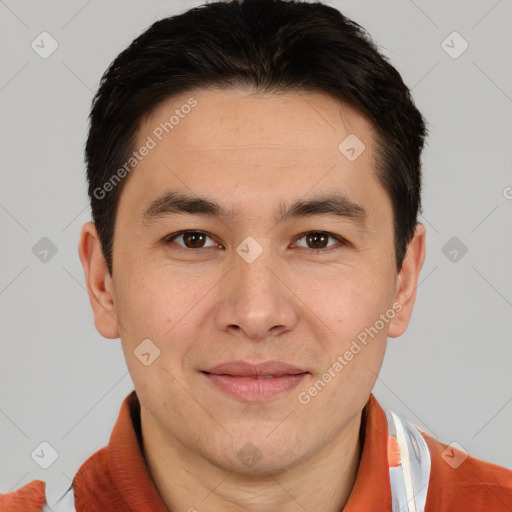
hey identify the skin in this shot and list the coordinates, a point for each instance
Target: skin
(252, 152)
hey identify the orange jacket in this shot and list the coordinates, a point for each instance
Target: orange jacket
(115, 478)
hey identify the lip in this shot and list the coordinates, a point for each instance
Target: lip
(240, 379)
(244, 369)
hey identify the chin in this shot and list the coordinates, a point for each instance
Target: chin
(259, 458)
(261, 468)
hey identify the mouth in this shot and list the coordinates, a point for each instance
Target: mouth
(257, 377)
(251, 382)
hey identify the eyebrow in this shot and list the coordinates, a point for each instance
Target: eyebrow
(174, 203)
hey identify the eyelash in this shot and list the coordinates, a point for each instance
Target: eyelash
(342, 242)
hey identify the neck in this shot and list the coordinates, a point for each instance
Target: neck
(188, 482)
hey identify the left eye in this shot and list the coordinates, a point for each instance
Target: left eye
(196, 240)
(320, 237)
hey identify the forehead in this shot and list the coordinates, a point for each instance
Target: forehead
(312, 121)
(236, 144)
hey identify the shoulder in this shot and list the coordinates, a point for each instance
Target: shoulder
(459, 481)
(29, 498)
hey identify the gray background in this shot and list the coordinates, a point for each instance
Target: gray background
(61, 382)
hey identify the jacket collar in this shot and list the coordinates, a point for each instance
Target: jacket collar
(116, 477)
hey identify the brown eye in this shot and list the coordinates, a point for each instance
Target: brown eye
(318, 240)
(191, 239)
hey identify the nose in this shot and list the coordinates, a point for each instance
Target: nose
(257, 300)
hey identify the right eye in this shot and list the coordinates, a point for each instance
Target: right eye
(192, 240)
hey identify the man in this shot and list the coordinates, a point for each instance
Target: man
(254, 177)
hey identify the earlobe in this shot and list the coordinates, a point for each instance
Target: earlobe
(98, 282)
(407, 282)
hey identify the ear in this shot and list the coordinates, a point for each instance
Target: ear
(407, 283)
(98, 281)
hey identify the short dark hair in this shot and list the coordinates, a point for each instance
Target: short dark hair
(268, 46)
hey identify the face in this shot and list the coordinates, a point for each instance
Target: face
(315, 288)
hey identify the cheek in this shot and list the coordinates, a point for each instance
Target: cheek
(166, 308)
(345, 304)
(150, 302)
(347, 316)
